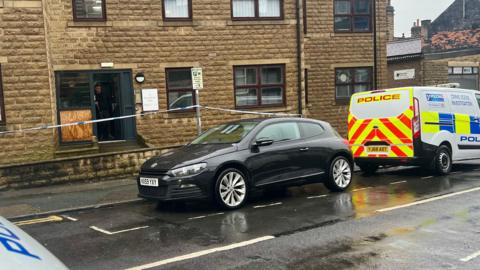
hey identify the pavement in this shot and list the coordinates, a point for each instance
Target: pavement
(66, 197)
(400, 218)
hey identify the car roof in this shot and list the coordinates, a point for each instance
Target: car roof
(276, 119)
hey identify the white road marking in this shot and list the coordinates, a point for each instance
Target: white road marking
(267, 205)
(211, 215)
(427, 177)
(202, 253)
(317, 197)
(429, 200)
(359, 189)
(70, 218)
(117, 232)
(471, 257)
(399, 182)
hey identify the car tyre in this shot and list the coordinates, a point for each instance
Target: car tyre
(231, 189)
(340, 174)
(368, 168)
(442, 162)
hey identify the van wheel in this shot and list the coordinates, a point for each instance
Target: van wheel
(340, 174)
(443, 161)
(368, 168)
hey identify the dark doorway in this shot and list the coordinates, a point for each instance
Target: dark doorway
(78, 101)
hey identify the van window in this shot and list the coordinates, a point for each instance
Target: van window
(478, 99)
(462, 103)
(280, 132)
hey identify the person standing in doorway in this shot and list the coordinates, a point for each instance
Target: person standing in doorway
(103, 109)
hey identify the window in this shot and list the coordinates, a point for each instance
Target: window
(89, 10)
(311, 130)
(180, 91)
(257, 86)
(2, 105)
(74, 90)
(352, 80)
(177, 9)
(467, 77)
(280, 132)
(353, 15)
(304, 9)
(478, 99)
(257, 9)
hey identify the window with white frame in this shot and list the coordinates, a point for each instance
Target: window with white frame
(257, 9)
(177, 9)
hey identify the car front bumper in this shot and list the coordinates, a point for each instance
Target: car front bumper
(170, 189)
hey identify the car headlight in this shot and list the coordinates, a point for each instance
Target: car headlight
(189, 170)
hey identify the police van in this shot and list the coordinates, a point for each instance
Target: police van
(428, 126)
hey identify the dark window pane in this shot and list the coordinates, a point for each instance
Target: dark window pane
(362, 75)
(272, 95)
(179, 99)
(361, 23)
(362, 7)
(179, 79)
(74, 90)
(344, 76)
(311, 129)
(246, 97)
(343, 24)
(89, 9)
(176, 8)
(342, 7)
(361, 88)
(245, 76)
(342, 91)
(272, 75)
(280, 132)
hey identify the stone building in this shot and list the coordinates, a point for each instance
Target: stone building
(255, 55)
(449, 53)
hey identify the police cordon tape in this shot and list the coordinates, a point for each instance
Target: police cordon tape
(44, 127)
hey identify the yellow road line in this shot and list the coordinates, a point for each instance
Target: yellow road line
(39, 220)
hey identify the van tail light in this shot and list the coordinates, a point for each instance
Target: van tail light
(416, 119)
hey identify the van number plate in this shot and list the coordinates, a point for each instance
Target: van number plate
(151, 182)
(377, 149)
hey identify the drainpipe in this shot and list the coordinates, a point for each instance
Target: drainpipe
(375, 61)
(299, 59)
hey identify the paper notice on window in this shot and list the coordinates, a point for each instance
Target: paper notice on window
(150, 100)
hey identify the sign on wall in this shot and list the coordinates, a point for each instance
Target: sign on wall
(197, 78)
(404, 74)
(150, 100)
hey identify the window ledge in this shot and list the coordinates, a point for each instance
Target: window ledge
(178, 23)
(272, 109)
(259, 22)
(89, 24)
(351, 34)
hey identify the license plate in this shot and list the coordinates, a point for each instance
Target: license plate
(377, 149)
(151, 182)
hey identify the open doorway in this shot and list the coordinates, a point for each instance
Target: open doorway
(107, 101)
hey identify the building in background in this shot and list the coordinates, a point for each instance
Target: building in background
(450, 49)
(255, 55)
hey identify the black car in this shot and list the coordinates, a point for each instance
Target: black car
(228, 161)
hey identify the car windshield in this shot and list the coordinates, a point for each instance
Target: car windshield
(227, 133)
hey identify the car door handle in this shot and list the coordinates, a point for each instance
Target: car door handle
(304, 149)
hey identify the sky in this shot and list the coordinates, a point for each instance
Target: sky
(408, 11)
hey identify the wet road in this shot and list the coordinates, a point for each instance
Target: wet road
(397, 219)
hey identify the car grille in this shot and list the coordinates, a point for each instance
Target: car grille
(177, 192)
(153, 172)
(152, 191)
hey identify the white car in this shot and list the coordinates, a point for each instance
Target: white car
(19, 251)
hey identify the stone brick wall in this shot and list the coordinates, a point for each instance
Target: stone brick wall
(405, 64)
(326, 50)
(136, 37)
(26, 87)
(99, 167)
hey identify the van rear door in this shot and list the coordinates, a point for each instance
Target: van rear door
(380, 124)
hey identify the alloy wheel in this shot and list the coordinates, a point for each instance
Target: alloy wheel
(232, 189)
(342, 173)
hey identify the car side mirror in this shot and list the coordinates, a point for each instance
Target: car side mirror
(263, 142)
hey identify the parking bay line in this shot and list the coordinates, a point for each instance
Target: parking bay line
(70, 218)
(397, 183)
(205, 216)
(39, 220)
(117, 232)
(317, 197)
(267, 205)
(470, 257)
(202, 253)
(427, 177)
(429, 200)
